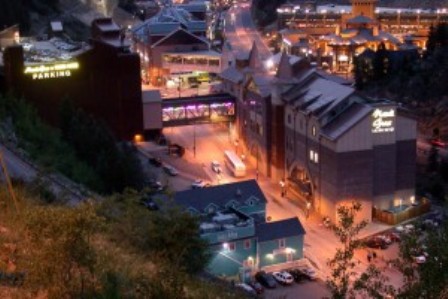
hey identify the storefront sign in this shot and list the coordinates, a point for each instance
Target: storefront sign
(383, 120)
(50, 71)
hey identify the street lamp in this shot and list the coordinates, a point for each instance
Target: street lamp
(282, 186)
(194, 139)
(308, 207)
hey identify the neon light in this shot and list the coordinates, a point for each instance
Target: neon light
(383, 120)
(51, 71)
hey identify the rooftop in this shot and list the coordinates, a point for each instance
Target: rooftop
(237, 194)
(279, 229)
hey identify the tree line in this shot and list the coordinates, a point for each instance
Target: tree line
(82, 148)
(112, 249)
(18, 11)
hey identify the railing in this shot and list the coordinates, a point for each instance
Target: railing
(229, 234)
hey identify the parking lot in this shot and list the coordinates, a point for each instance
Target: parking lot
(305, 290)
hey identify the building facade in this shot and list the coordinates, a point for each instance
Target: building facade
(102, 78)
(324, 142)
(232, 220)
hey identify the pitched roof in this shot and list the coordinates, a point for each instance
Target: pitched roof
(346, 120)
(284, 69)
(360, 20)
(232, 74)
(279, 229)
(220, 195)
(180, 36)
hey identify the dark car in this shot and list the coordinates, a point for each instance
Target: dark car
(266, 279)
(298, 275)
(150, 204)
(170, 170)
(376, 243)
(156, 185)
(155, 161)
(256, 286)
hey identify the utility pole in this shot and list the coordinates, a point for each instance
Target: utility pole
(194, 139)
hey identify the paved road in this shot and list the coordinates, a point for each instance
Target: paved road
(241, 32)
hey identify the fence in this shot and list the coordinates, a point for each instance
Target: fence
(392, 218)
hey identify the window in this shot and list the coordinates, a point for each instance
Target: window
(313, 130)
(289, 118)
(232, 246)
(281, 243)
(247, 244)
(314, 156)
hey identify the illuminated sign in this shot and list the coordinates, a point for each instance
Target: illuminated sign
(383, 120)
(50, 71)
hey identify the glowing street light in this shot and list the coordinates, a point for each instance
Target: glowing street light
(269, 64)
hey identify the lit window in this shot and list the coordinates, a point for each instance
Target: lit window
(313, 130)
(316, 158)
(281, 243)
(232, 246)
(311, 155)
(247, 244)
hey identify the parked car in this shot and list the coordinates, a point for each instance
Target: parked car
(156, 185)
(246, 288)
(309, 273)
(298, 275)
(438, 143)
(155, 161)
(170, 170)
(385, 238)
(283, 277)
(216, 167)
(421, 259)
(376, 243)
(266, 279)
(394, 237)
(256, 286)
(150, 205)
(197, 184)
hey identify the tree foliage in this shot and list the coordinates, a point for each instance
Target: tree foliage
(342, 283)
(427, 280)
(105, 250)
(116, 163)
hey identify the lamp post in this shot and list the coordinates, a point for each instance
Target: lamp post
(194, 139)
(399, 18)
(282, 186)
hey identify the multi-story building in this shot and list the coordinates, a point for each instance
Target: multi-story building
(335, 34)
(328, 143)
(102, 77)
(232, 220)
(174, 42)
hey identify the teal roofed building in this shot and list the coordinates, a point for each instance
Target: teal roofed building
(232, 219)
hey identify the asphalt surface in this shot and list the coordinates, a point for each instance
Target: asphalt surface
(241, 32)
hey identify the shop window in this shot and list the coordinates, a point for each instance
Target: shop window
(232, 246)
(281, 243)
(247, 244)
